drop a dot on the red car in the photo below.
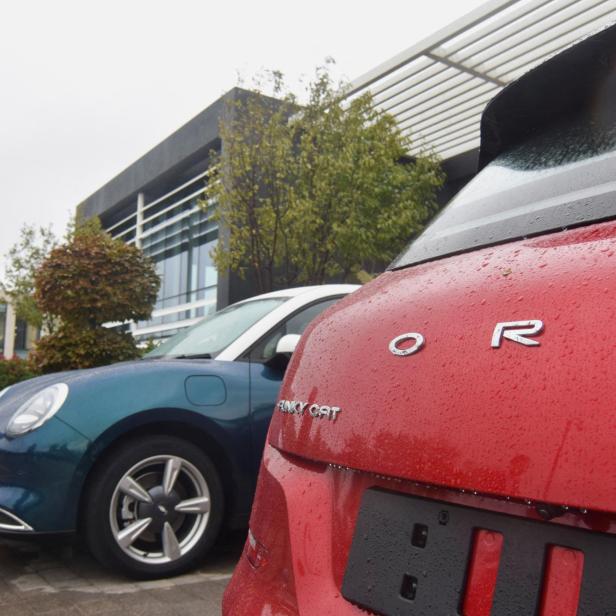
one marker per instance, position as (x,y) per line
(445,440)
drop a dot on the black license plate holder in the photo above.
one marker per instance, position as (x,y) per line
(410,556)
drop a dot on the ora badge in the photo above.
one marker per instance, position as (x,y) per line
(521,332)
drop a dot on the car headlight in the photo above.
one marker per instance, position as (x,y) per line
(37,410)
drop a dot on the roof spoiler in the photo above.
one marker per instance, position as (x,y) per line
(581,77)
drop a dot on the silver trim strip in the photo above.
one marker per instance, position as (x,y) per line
(20,524)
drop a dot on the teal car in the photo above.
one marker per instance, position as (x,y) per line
(149,460)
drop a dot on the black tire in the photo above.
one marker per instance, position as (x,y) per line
(108,508)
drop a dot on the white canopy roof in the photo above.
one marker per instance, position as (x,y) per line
(438,88)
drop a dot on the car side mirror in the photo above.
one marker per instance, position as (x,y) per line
(284,349)
(287,344)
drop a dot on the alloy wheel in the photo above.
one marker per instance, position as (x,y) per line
(160,509)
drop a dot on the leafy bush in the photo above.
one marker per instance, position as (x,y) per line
(70,347)
(94,279)
(91,280)
(15,370)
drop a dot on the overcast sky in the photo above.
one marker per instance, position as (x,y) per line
(88,86)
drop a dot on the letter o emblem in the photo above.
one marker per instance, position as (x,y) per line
(396,350)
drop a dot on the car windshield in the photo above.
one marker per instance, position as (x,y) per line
(214,333)
(558,179)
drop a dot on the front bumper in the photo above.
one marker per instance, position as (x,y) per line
(40,479)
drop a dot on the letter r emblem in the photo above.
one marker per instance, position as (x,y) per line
(516,331)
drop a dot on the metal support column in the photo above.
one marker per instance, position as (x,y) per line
(9,332)
(139,224)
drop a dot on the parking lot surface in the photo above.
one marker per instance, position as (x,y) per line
(54,580)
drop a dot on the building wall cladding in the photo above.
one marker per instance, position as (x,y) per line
(184,148)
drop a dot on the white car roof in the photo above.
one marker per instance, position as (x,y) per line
(326,289)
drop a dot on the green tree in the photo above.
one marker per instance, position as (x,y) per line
(315,192)
(22,262)
(88,281)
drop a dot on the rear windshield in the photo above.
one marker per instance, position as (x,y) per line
(561,178)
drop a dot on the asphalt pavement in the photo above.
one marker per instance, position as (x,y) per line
(64,580)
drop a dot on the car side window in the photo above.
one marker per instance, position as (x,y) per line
(265,349)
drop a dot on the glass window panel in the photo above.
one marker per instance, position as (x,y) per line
(21,332)
(179,241)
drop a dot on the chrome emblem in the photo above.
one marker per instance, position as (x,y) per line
(516,331)
(316,411)
(396,350)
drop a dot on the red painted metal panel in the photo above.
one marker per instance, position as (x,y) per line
(525,422)
(563,580)
(482,573)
